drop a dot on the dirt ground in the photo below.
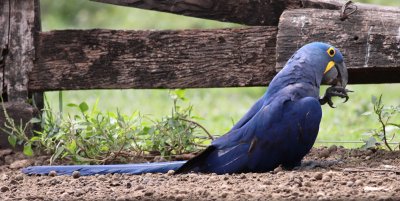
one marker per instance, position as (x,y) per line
(360,175)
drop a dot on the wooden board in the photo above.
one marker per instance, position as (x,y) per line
(108,59)
(240,11)
(369,40)
(4,23)
(21,48)
(248,12)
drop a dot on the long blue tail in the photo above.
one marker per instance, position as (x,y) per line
(86,170)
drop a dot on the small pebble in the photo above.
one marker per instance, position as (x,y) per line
(224,195)
(332,148)
(4,177)
(52,173)
(307,184)
(76,174)
(140,187)
(170,172)
(324,153)
(318,176)
(122,198)
(358,182)
(277,169)
(4,189)
(349,183)
(19,178)
(128,185)
(326,178)
(79,192)
(148,193)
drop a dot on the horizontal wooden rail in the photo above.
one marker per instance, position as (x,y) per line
(253,12)
(108,59)
(248,12)
(369,40)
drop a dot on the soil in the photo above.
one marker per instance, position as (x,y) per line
(343,174)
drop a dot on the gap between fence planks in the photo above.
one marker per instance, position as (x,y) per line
(110,59)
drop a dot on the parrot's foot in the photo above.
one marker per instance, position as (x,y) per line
(334,91)
(308,165)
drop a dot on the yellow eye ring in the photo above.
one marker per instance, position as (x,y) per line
(331,52)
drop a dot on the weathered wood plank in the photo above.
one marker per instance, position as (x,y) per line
(369,40)
(253,12)
(106,59)
(249,12)
(4,23)
(21,50)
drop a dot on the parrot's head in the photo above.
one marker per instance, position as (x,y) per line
(331,70)
(332,66)
(315,63)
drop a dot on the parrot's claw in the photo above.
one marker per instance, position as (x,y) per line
(334,91)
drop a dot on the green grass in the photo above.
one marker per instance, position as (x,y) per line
(219,107)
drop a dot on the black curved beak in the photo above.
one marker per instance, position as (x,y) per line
(343,76)
(338,78)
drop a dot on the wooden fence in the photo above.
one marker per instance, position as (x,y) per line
(32,61)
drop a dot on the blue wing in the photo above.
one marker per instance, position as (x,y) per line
(161,167)
(279,133)
(250,114)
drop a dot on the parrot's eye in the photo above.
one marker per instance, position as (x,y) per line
(331,52)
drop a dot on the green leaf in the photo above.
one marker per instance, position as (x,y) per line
(12,139)
(35,138)
(180,93)
(72,105)
(59,151)
(28,149)
(72,146)
(83,107)
(35,120)
(197,118)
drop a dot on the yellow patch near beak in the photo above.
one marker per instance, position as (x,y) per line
(329,66)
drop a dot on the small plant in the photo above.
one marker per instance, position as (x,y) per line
(177,133)
(387,129)
(91,136)
(17,132)
(95,137)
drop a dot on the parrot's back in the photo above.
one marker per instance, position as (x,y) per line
(281,132)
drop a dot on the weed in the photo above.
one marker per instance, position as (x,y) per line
(176,134)
(387,129)
(95,137)
(17,132)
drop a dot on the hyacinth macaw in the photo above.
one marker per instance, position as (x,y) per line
(279,129)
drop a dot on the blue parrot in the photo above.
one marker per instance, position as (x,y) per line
(279,129)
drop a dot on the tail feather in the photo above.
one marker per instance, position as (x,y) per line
(195,163)
(87,170)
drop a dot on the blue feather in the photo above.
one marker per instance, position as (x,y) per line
(85,170)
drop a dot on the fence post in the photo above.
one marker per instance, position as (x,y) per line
(20,22)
